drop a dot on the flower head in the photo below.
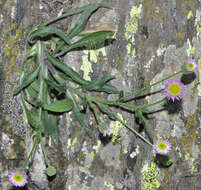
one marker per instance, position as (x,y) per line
(191,65)
(18,178)
(174,89)
(162,146)
(107,132)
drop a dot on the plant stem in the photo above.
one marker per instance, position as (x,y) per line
(149,86)
(44,151)
(32,150)
(149,105)
(111,102)
(133,130)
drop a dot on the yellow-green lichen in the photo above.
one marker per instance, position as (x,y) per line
(74,141)
(88,57)
(10,46)
(190,15)
(149,175)
(92,154)
(109,185)
(96,147)
(116,126)
(191,49)
(132,27)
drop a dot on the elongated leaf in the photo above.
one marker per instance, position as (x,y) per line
(59,106)
(73,12)
(54,85)
(92,40)
(32,117)
(50,125)
(110,89)
(98,84)
(77,78)
(66,69)
(79,116)
(102,27)
(81,23)
(27,80)
(43,32)
(105,109)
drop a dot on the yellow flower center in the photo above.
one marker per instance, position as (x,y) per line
(162,145)
(174,89)
(18,177)
(190,66)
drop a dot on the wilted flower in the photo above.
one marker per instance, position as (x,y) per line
(191,65)
(162,146)
(107,132)
(174,89)
(18,178)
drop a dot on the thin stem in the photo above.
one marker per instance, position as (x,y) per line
(133,130)
(111,102)
(149,105)
(32,150)
(44,151)
(149,86)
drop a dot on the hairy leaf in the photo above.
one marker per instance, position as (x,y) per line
(59,106)
(91,41)
(97,84)
(27,80)
(79,116)
(43,32)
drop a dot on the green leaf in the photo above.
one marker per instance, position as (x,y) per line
(97,84)
(43,32)
(31,117)
(27,80)
(91,41)
(110,89)
(103,127)
(49,122)
(73,12)
(106,110)
(51,171)
(59,106)
(66,69)
(54,85)
(82,21)
(79,116)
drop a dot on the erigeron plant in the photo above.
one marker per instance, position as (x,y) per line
(45,78)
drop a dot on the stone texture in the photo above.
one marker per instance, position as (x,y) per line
(153,40)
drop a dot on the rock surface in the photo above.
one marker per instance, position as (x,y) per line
(153,40)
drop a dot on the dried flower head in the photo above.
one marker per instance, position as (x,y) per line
(174,89)
(18,178)
(107,132)
(191,65)
(162,146)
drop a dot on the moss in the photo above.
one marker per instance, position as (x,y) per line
(149,175)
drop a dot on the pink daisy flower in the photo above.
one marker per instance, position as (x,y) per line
(174,89)
(18,178)
(191,65)
(162,146)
